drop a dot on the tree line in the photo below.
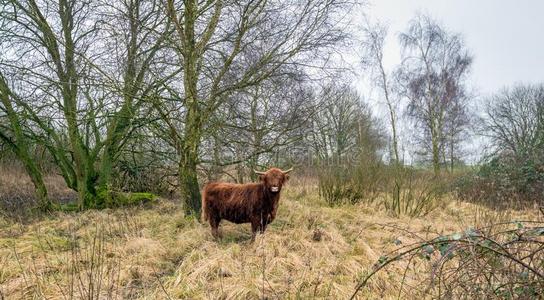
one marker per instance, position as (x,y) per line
(100,90)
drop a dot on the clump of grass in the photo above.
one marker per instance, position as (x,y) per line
(56,264)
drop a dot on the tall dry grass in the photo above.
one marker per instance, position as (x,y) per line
(399,190)
(310,251)
(17,194)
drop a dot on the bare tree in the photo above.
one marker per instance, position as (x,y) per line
(435,65)
(255,123)
(343,128)
(373,47)
(30,26)
(229,46)
(13,135)
(514,120)
(136,32)
(82,88)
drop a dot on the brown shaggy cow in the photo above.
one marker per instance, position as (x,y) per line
(255,203)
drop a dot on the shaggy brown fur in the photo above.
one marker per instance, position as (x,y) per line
(255,203)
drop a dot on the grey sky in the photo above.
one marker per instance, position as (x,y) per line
(505,37)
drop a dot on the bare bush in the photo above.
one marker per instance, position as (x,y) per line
(503,260)
(342,185)
(504,182)
(414,194)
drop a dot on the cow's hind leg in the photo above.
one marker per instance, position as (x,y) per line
(214,223)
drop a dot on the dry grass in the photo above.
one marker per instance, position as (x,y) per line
(17,191)
(310,251)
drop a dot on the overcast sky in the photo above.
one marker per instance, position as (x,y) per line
(505,37)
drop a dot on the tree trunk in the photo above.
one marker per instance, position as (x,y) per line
(116,131)
(39,186)
(436,158)
(33,172)
(452,157)
(391,113)
(435,149)
(69,89)
(394,131)
(188,150)
(188,180)
(20,148)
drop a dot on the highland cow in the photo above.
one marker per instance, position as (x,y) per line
(255,203)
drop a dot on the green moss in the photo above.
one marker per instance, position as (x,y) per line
(68,207)
(136,198)
(130,199)
(111,199)
(104,197)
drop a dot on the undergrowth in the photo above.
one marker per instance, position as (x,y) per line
(153,252)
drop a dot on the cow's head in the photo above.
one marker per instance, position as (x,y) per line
(274,178)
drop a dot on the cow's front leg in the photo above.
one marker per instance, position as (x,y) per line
(264,223)
(255,224)
(272,214)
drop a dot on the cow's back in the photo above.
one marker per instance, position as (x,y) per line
(232,202)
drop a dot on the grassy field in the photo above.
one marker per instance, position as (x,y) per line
(154,252)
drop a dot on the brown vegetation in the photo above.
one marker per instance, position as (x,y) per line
(310,251)
(17,192)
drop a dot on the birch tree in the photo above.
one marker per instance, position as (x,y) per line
(373,47)
(432,75)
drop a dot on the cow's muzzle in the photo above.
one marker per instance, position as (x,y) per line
(275,189)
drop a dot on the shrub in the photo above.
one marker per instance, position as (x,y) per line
(504,181)
(404,190)
(132,177)
(344,184)
(414,193)
(337,187)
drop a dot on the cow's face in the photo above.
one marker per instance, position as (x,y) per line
(274,179)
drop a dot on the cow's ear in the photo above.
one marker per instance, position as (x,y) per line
(262,177)
(286,177)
